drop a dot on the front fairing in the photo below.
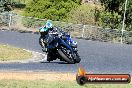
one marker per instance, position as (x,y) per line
(67,43)
(71,42)
(62,42)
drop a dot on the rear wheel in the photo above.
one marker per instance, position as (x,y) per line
(51,55)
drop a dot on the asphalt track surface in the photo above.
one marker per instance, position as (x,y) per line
(97,57)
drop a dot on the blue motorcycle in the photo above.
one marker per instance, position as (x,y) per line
(61,46)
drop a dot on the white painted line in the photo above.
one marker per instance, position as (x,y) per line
(44,55)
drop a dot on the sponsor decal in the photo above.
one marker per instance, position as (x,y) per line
(82,77)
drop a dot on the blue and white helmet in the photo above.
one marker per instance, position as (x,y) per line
(48,24)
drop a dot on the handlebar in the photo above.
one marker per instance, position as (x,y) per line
(57,33)
(53,33)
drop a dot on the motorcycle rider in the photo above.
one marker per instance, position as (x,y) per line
(44,30)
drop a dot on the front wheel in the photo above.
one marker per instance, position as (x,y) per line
(77,58)
(65,56)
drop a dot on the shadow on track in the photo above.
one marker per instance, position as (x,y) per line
(56,62)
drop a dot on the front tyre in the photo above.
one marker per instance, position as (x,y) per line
(77,58)
(65,56)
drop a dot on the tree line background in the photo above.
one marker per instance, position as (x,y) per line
(106,13)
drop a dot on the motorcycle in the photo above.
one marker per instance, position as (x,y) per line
(61,46)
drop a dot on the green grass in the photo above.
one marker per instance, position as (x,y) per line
(55,84)
(18,11)
(8,53)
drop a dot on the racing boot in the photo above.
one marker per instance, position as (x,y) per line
(44,49)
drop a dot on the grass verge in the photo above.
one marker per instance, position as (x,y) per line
(47,80)
(8,53)
(55,84)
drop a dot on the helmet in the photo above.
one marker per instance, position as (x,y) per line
(48,24)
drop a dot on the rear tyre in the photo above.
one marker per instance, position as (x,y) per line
(48,57)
